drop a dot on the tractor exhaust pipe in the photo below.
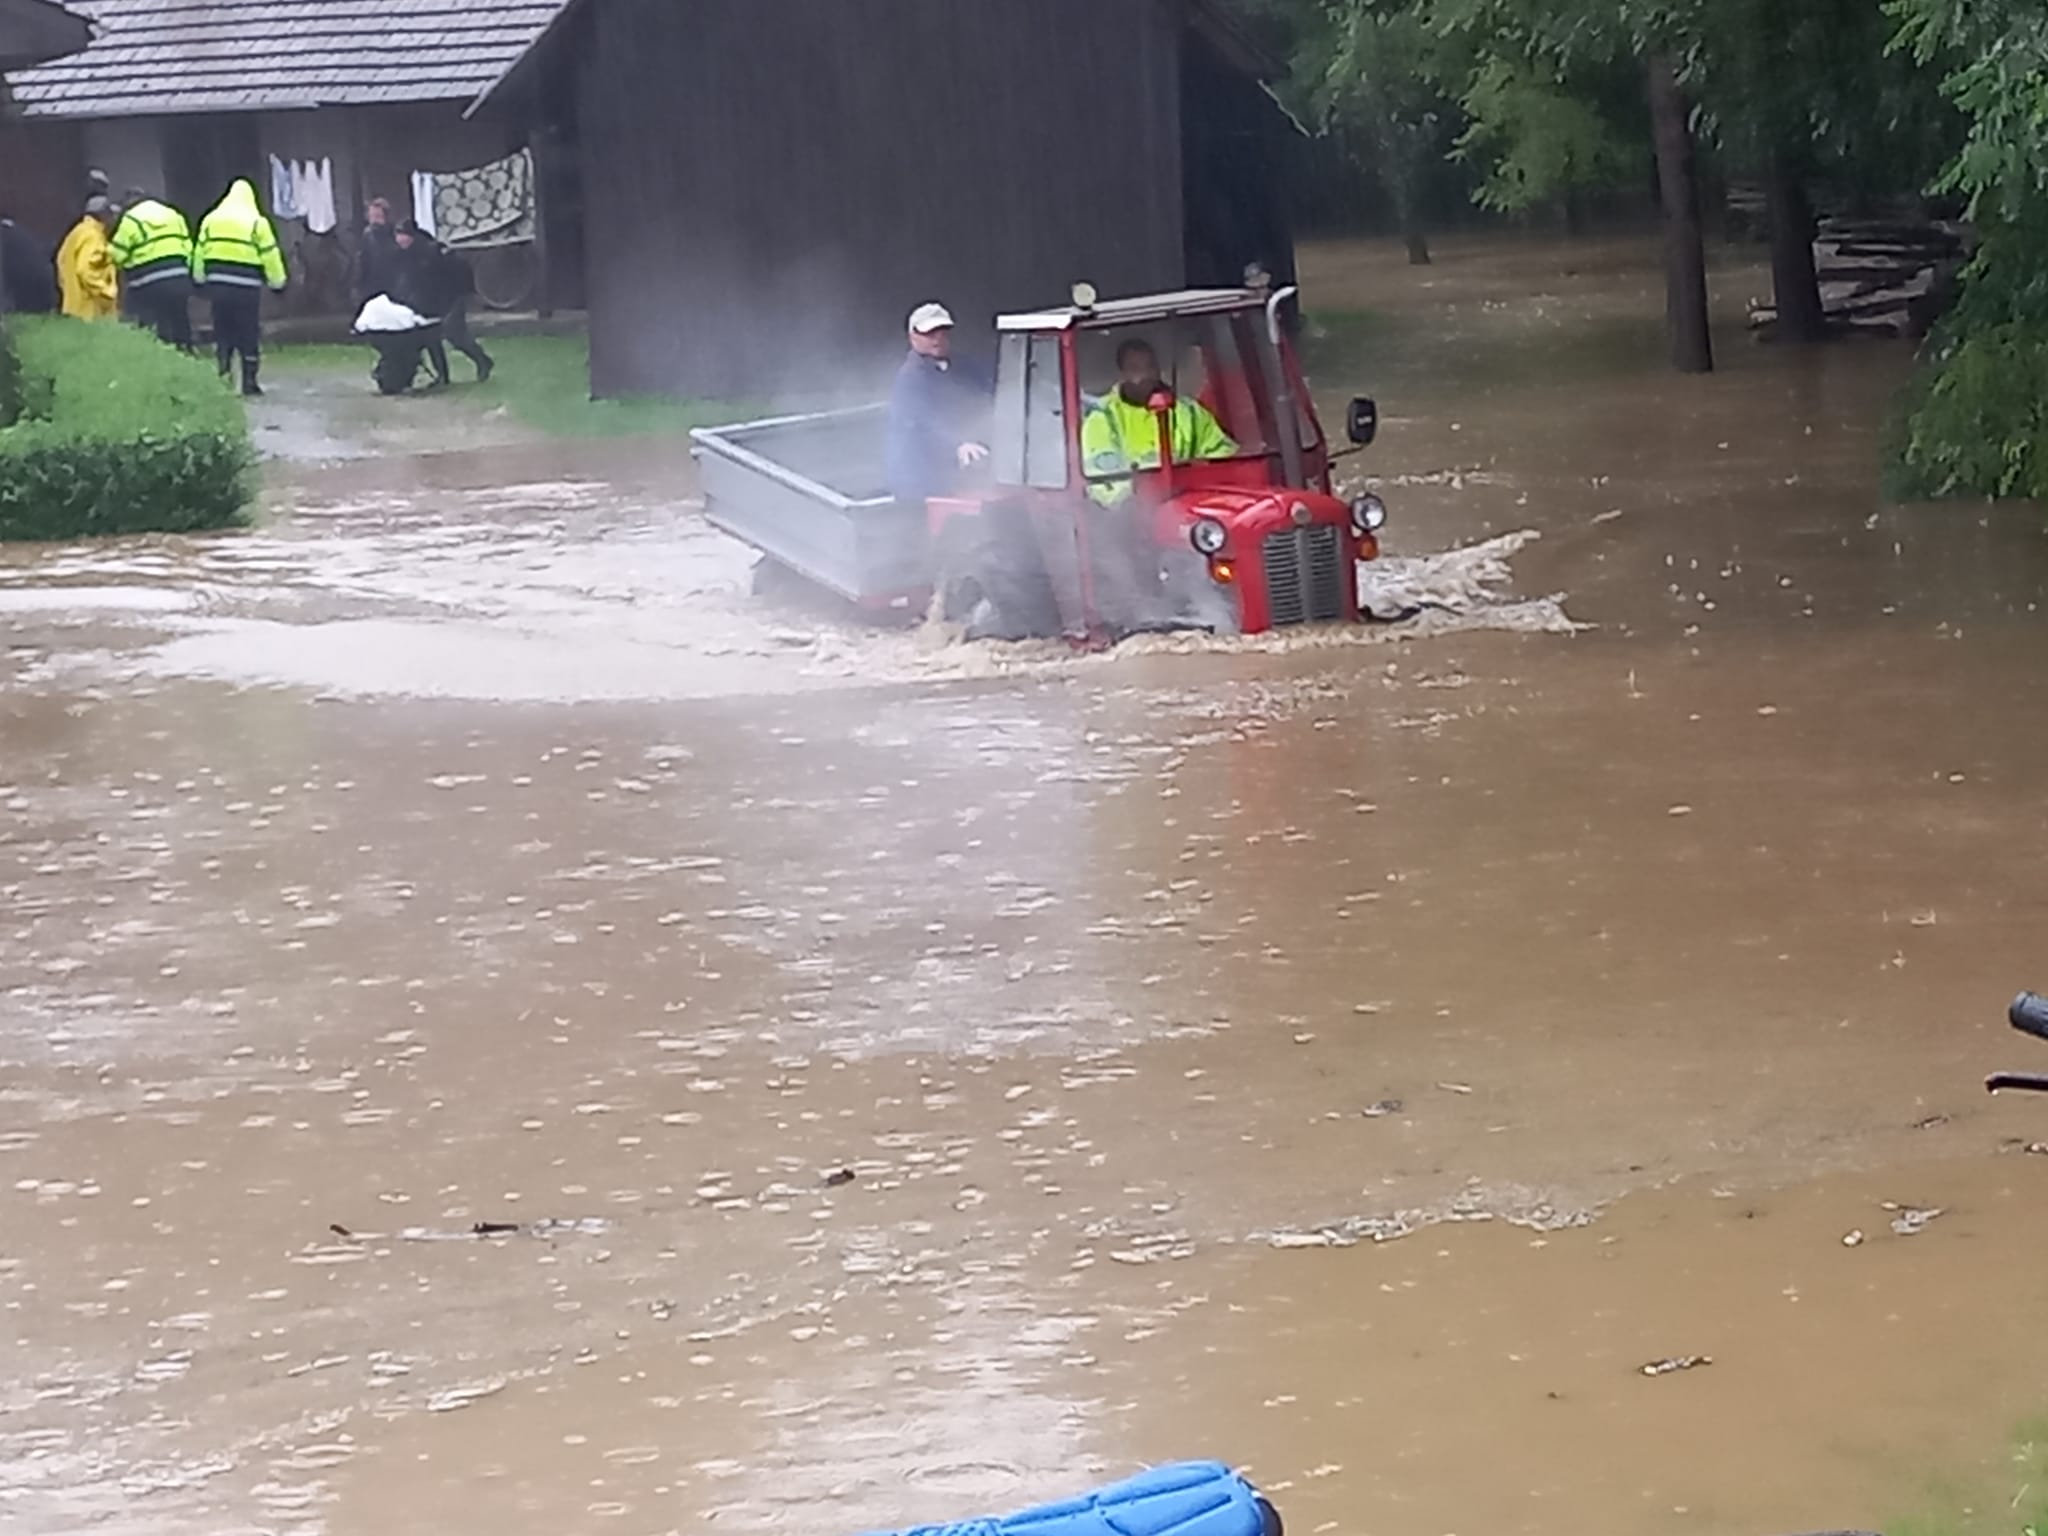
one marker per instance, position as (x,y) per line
(1285,409)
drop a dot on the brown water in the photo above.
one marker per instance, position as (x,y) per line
(468,845)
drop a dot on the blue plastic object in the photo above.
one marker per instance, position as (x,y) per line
(1190,1498)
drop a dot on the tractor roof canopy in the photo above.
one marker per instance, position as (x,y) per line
(1144,310)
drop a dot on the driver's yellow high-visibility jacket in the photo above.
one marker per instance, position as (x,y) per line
(1118,438)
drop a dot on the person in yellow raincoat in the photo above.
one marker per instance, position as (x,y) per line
(88,286)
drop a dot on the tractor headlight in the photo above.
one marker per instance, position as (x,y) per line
(1368,513)
(1208,537)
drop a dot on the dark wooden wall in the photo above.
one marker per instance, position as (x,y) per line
(772,185)
(42,176)
(1237,146)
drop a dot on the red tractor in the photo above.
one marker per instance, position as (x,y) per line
(1247,538)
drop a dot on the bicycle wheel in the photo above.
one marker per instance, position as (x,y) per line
(507,276)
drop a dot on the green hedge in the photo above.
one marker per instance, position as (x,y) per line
(118,434)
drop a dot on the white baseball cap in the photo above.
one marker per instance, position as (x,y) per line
(927,318)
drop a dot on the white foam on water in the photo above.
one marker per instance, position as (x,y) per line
(592,623)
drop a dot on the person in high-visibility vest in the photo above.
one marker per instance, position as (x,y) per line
(234,259)
(88,287)
(1120,434)
(152,246)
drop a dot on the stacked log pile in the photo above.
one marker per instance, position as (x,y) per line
(1882,276)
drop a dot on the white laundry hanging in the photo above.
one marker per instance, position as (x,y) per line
(423,202)
(315,186)
(284,190)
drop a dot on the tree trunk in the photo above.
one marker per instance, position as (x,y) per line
(1573,206)
(1398,160)
(1685,245)
(1801,317)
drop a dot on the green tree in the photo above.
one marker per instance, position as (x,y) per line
(1563,40)
(1364,74)
(1370,78)
(1794,94)
(1541,138)
(1977,416)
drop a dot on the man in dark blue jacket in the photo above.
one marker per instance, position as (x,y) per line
(937,413)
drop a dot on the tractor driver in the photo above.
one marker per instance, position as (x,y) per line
(1121,434)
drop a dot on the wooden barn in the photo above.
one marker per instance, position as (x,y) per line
(33,31)
(181,96)
(771,185)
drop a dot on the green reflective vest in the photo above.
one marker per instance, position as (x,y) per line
(152,242)
(1118,438)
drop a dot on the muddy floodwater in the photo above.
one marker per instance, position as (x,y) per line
(901,1080)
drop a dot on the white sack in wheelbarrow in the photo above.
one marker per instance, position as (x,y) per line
(385,316)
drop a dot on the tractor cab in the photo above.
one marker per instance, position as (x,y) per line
(1234,525)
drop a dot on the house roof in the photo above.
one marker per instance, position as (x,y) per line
(151,57)
(32,31)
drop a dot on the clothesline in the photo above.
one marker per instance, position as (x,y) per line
(489,206)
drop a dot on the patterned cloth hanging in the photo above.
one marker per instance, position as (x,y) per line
(492,205)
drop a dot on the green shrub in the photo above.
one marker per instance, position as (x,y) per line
(118,434)
(1975,419)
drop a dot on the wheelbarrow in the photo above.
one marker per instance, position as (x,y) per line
(401,337)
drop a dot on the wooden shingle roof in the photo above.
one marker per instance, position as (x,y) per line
(151,57)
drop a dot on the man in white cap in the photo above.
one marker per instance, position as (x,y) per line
(936,413)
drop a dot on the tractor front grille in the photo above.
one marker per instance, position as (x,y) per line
(1305,574)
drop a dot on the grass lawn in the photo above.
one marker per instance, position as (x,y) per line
(2015,1505)
(543,382)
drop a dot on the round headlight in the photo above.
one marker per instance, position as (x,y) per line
(1209,537)
(1369,513)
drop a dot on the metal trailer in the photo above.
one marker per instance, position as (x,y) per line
(807,491)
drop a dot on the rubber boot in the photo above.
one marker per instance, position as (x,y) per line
(250,388)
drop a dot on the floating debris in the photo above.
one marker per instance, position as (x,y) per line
(450,1400)
(1912,1220)
(1853,1239)
(550,1227)
(839,1178)
(1675,1364)
(1524,1208)
(324,1363)
(1381,1110)
(570,1226)
(1929,1122)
